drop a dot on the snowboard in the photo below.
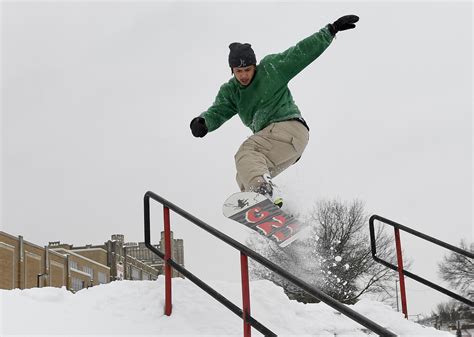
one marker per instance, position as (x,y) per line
(261,215)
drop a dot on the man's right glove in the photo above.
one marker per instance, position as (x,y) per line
(198,127)
(343,23)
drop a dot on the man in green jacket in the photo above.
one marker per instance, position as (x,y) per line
(259,94)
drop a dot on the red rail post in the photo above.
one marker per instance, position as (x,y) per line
(168,305)
(401,276)
(245,293)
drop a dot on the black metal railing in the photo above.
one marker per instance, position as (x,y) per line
(402,272)
(245,252)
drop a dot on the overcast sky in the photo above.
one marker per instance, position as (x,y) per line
(97,100)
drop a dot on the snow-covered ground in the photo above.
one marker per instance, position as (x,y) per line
(135,308)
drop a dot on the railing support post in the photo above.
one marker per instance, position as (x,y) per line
(168,271)
(245,293)
(400,272)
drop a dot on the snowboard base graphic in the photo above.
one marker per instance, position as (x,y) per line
(263,216)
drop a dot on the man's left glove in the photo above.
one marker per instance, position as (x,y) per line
(343,23)
(198,127)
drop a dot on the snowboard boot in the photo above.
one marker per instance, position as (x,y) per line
(266,188)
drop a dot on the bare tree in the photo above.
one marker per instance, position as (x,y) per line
(458,270)
(447,313)
(335,256)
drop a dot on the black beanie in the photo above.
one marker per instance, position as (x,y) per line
(241,55)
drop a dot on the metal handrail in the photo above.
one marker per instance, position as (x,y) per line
(245,252)
(402,272)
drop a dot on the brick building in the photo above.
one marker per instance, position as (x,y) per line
(26,265)
(142,253)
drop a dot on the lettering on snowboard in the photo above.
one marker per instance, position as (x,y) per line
(268,221)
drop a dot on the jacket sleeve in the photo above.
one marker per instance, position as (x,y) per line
(293,60)
(221,110)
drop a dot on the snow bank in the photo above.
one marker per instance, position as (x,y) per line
(135,308)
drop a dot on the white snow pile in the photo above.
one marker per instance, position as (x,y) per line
(135,308)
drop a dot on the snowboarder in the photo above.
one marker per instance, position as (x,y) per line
(260,95)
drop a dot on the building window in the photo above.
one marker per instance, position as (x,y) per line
(73,265)
(89,271)
(135,274)
(146,276)
(77,284)
(102,277)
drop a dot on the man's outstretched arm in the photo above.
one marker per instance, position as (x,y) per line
(293,60)
(221,111)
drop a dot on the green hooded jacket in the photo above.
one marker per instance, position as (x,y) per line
(267,98)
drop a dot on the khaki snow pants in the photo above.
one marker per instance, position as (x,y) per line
(271,150)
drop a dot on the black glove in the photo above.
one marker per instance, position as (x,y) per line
(343,23)
(198,127)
